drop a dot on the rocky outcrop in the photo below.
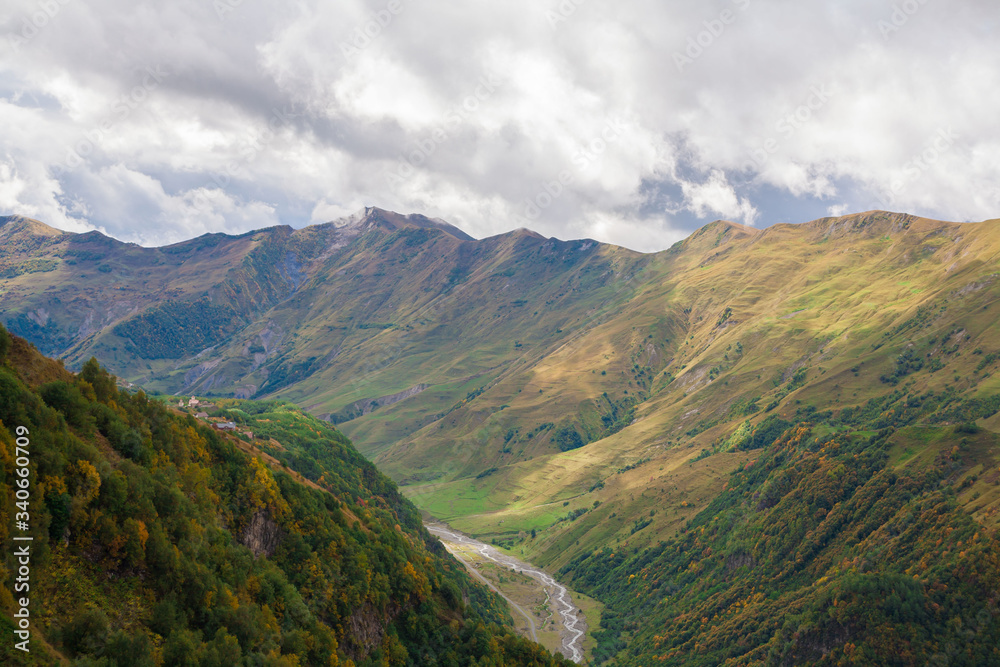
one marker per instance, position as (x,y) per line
(262,535)
(366,627)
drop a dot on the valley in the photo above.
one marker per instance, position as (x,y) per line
(556,614)
(159,538)
(801,418)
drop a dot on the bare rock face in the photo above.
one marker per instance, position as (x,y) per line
(262,535)
(366,630)
(739,559)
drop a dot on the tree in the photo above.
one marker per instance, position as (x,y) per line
(86,633)
(99,378)
(68,400)
(129,649)
(567,439)
(5,342)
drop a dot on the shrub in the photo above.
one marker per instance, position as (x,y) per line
(568,439)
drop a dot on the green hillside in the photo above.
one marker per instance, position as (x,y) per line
(157,540)
(569,400)
(847,540)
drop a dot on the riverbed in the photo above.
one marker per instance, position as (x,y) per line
(573,623)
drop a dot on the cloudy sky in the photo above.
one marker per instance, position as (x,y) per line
(628,121)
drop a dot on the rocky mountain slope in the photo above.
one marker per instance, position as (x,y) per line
(561,398)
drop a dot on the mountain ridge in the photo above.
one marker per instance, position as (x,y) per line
(563,397)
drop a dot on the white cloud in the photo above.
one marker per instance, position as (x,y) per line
(805,103)
(716,196)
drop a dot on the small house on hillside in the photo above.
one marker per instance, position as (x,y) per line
(226,426)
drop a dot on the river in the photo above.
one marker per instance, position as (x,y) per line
(574,625)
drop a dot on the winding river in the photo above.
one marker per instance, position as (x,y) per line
(574,626)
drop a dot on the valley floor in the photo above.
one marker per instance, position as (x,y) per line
(544,610)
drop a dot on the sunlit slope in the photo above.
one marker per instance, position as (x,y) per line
(737,325)
(513,374)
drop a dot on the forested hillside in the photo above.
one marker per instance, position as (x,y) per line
(848,540)
(158,541)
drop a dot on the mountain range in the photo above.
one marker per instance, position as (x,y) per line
(607,412)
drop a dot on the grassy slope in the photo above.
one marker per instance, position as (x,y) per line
(795,307)
(650,358)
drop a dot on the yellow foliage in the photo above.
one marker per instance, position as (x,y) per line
(227,599)
(142,533)
(264,490)
(115,546)
(87,481)
(421,586)
(50,483)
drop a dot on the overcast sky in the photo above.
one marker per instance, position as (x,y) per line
(628,121)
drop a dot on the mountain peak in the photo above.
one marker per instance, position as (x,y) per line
(12,224)
(391,220)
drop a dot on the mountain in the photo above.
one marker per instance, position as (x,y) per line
(590,407)
(159,540)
